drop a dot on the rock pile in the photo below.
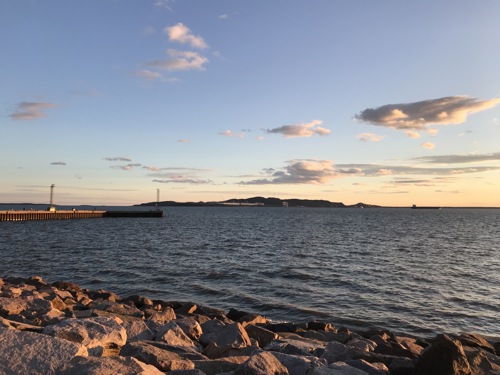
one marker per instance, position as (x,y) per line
(60,328)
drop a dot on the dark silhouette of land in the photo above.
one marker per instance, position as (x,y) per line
(264,202)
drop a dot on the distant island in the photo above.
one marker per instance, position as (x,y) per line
(264,202)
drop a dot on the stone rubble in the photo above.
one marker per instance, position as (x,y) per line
(62,329)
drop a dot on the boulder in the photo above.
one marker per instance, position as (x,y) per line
(369,368)
(30,353)
(172,334)
(299,364)
(190,326)
(152,355)
(101,336)
(224,335)
(108,366)
(221,365)
(262,363)
(320,326)
(263,336)
(116,308)
(345,369)
(163,316)
(137,330)
(444,357)
(12,306)
(475,341)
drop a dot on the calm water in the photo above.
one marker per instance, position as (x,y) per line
(414,271)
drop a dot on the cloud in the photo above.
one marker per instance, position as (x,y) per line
(459,159)
(180,60)
(412,134)
(118,158)
(433,132)
(230,134)
(184,180)
(184,140)
(26,111)
(182,34)
(163,4)
(127,167)
(428,145)
(58,163)
(418,115)
(370,137)
(373,170)
(151,168)
(223,16)
(148,74)
(298,172)
(300,130)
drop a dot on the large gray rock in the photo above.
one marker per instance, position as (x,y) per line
(336,351)
(190,326)
(263,363)
(225,335)
(444,357)
(172,334)
(101,336)
(297,364)
(108,366)
(152,355)
(263,336)
(137,330)
(30,353)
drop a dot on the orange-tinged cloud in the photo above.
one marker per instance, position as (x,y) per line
(418,115)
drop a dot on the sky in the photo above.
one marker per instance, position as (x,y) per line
(384,102)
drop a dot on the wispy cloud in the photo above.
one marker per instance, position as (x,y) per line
(370,137)
(118,158)
(183,180)
(126,167)
(148,74)
(459,159)
(180,60)
(374,170)
(58,163)
(26,111)
(230,134)
(180,33)
(183,140)
(300,130)
(417,115)
(165,4)
(297,172)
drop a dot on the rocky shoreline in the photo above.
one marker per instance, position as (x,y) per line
(60,328)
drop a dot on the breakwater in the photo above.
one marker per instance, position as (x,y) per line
(60,328)
(25,215)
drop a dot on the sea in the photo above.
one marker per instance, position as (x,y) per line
(418,272)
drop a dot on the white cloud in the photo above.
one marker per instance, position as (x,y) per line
(184,140)
(300,130)
(180,60)
(182,34)
(428,145)
(412,134)
(418,115)
(433,132)
(26,111)
(298,172)
(370,137)
(230,134)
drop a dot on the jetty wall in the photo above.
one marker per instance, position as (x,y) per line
(14,215)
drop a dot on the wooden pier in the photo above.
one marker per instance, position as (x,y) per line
(16,215)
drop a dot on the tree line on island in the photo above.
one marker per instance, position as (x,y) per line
(265,202)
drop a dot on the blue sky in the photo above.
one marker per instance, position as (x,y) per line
(382,102)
